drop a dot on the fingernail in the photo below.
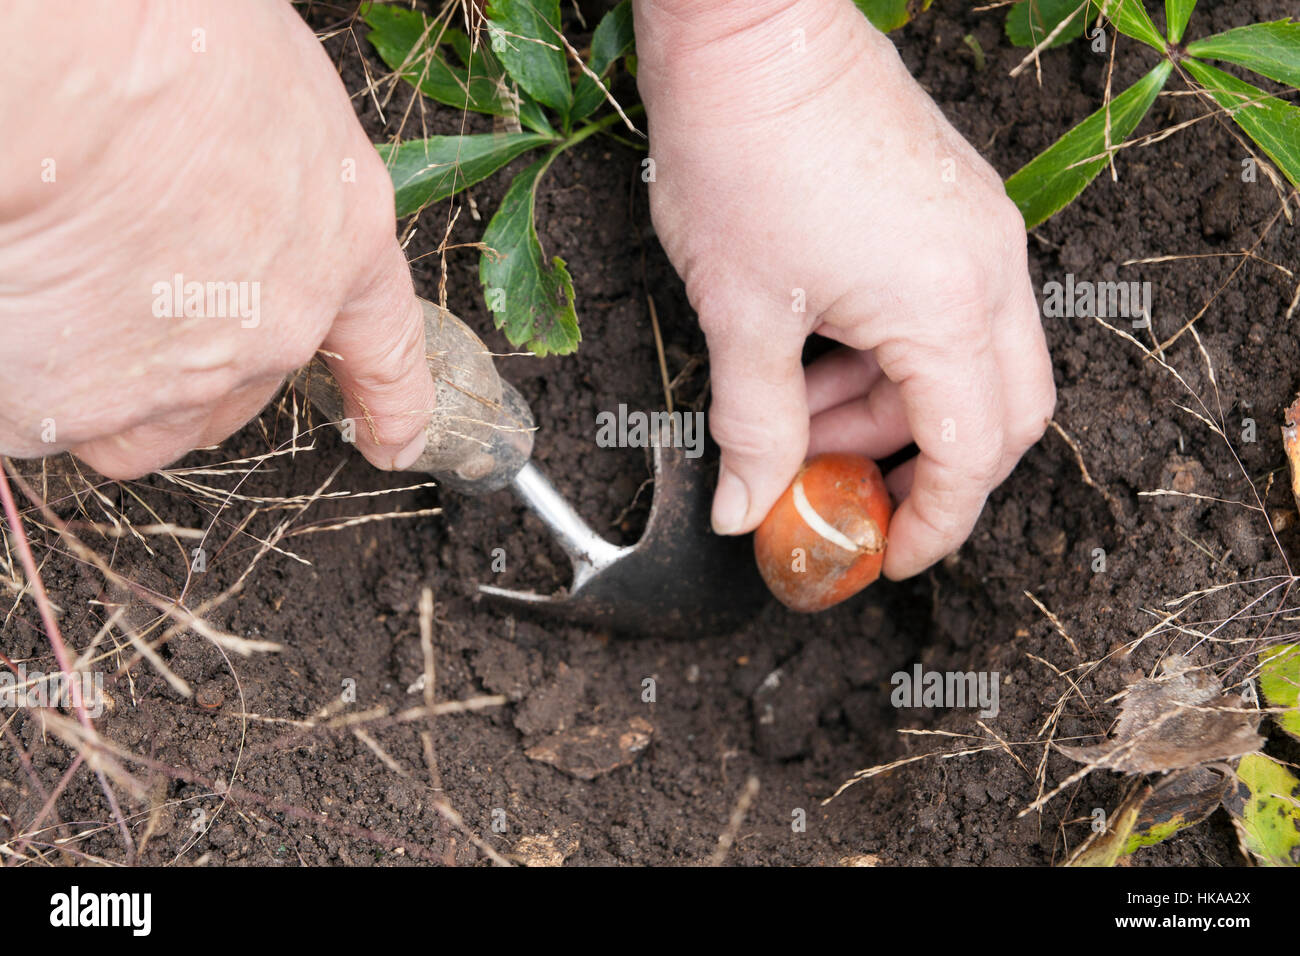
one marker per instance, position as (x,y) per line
(405,458)
(730,503)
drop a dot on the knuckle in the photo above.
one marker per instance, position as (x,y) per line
(871,414)
(970,327)
(396,431)
(956,292)
(948,525)
(1042,413)
(371,215)
(377,183)
(983,467)
(749,438)
(112,461)
(976,464)
(1030,421)
(715,322)
(1047,405)
(387,430)
(1008,222)
(392,364)
(1028,432)
(957,333)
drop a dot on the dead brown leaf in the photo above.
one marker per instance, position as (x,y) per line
(1181,800)
(1180,719)
(589,752)
(546,849)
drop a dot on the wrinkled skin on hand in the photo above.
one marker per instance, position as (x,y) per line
(213,140)
(805,183)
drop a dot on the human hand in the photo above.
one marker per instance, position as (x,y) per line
(819,189)
(207,140)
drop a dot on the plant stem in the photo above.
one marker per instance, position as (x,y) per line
(591,129)
(624,141)
(603,123)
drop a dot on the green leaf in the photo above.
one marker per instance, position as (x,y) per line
(1030,21)
(1183,800)
(1265,810)
(1106,848)
(481,62)
(1131,19)
(612,39)
(1270,49)
(531,302)
(526,37)
(427,170)
(1272,123)
(408,43)
(1050,181)
(1279,679)
(1177,13)
(889,15)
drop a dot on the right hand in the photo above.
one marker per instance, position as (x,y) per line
(826,177)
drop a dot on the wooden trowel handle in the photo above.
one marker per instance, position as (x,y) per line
(481,431)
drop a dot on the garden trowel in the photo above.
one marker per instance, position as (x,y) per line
(678,580)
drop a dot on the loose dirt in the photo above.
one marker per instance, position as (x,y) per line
(262,789)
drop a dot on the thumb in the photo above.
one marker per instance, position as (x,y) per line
(758,417)
(379,360)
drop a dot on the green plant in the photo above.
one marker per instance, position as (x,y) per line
(1052,180)
(1030,22)
(520,73)
(891,14)
(1258,791)
(1262,801)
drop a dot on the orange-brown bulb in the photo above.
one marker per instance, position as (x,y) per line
(824,539)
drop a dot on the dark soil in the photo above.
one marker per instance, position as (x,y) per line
(323,796)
